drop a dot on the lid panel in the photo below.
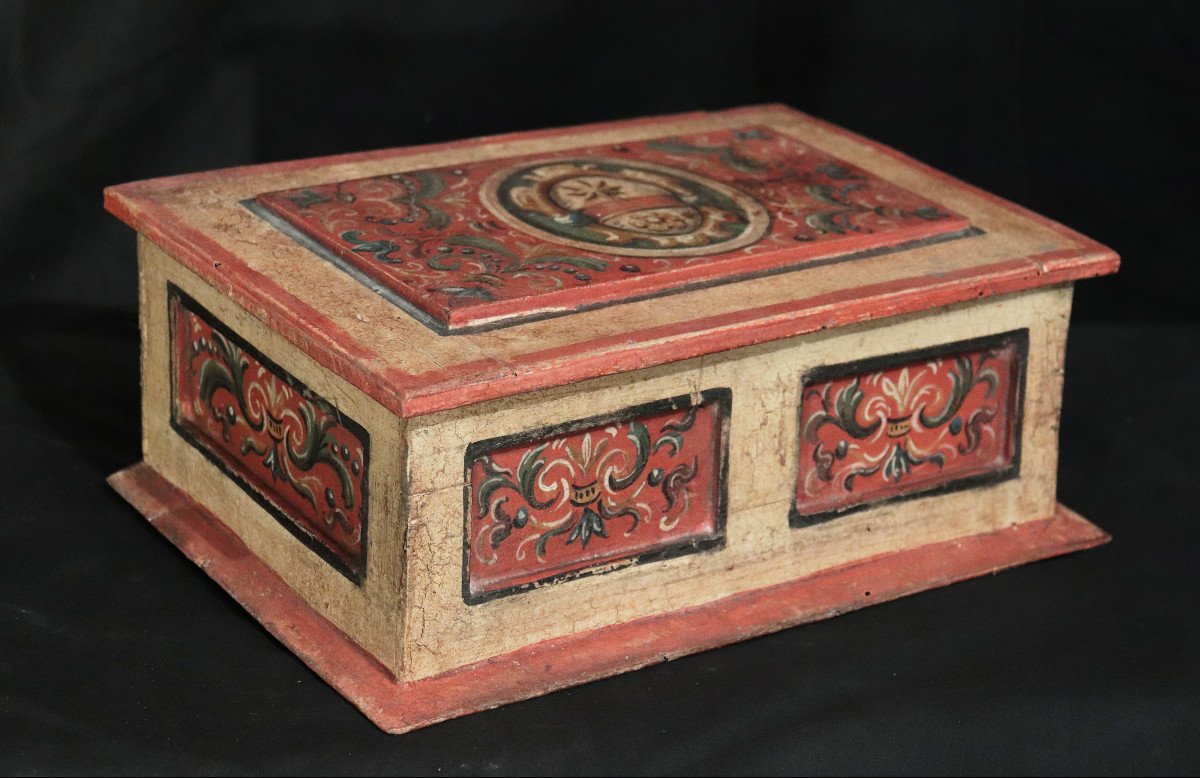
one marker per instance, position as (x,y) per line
(869,263)
(479,245)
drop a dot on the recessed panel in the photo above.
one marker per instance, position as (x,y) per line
(909,424)
(294,452)
(595,494)
(480,244)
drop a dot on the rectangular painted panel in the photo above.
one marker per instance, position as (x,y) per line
(595,494)
(909,424)
(291,450)
(470,245)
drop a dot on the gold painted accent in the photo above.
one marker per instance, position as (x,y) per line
(582,495)
(898,428)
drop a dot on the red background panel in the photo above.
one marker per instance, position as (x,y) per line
(469,244)
(907,424)
(649,481)
(293,452)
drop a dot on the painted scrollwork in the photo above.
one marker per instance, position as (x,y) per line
(497,230)
(608,491)
(295,451)
(874,433)
(577,492)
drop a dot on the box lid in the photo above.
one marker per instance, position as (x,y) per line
(436,276)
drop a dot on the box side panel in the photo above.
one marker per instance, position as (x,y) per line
(761,547)
(303,459)
(295,461)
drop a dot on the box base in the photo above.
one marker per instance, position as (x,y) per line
(399,706)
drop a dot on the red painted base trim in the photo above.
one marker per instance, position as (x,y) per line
(399,706)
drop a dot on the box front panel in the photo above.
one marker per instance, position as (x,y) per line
(298,456)
(761,544)
(907,424)
(595,494)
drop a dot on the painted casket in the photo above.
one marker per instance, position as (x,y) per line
(465,423)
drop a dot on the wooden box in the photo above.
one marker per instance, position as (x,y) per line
(465,423)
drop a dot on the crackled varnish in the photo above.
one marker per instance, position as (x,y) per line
(464,423)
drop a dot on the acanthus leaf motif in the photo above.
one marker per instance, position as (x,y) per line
(277,437)
(907,425)
(590,494)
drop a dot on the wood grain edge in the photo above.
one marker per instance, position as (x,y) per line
(400,706)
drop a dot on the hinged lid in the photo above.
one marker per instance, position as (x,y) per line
(440,275)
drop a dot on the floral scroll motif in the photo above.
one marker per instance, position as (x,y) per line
(555,504)
(293,452)
(504,237)
(908,424)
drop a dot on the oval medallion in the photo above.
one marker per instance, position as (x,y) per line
(619,207)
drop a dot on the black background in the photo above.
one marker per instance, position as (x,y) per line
(116,655)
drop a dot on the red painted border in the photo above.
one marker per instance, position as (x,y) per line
(400,706)
(487,379)
(408,394)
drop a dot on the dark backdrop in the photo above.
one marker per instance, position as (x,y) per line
(117,656)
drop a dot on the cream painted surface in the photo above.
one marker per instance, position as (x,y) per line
(371,615)
(761,549)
